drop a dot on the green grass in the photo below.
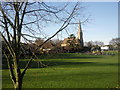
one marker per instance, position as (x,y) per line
(70,71)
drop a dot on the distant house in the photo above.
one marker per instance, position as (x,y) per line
(105,48)
(64,43)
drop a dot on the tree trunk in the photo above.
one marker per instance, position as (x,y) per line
(18,84)
(18,75)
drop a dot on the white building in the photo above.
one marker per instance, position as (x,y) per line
(103,48)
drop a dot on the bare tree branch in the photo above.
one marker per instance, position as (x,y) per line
(21,6)
(10,67)
(10,22)
(20,18)
(65,24)
(8,45)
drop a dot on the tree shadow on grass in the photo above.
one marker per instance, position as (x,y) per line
(67,56)
(48,63)
(36,64)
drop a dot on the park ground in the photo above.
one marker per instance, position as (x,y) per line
(69,70)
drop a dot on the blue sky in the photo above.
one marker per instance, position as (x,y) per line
(103,25)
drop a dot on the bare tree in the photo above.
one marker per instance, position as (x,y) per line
(90,44)
(94,43)
(98,43)
(23,21)
(115,42)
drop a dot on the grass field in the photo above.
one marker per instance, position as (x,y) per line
(70,71)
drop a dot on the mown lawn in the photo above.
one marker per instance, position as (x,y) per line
(70,71)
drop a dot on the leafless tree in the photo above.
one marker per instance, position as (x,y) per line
(94,43)
(115,42)
(89,43)
(23,21)
(98,43)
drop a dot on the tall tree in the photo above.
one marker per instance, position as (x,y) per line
(115,42)
(94,43)
(23,20)
(90,44)
(98,43)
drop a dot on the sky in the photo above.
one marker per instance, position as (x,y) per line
(103,24)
